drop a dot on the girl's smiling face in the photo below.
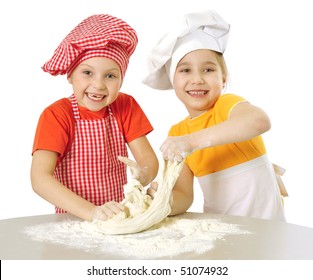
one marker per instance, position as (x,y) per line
(96,82)
(199,81)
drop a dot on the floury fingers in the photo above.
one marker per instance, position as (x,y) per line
(159,209)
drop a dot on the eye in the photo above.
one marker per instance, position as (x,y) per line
(110,76)
(184,70)
(87,72)
(208,70)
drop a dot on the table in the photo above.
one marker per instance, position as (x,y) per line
(269,240)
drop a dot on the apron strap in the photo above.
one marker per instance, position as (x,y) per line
(75,107)
(279,171)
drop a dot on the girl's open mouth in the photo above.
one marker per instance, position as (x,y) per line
(95,97)
(197,93)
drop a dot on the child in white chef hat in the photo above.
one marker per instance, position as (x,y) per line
(220,139)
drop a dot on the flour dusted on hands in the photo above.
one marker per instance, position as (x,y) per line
(136,201)
(143,212)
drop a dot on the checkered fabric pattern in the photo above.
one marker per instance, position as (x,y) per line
(98,35)
(91,168)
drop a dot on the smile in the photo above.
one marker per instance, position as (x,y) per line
(95,97)
(197,93)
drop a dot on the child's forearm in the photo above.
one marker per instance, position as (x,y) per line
(57,194)
(150,172)
(246,122)
(144,174)
(237,129)
(180,203)
(182,193)
(146,164)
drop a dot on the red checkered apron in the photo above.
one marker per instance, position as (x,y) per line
(91,168)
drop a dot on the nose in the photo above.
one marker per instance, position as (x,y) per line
(98,82)
(197,78)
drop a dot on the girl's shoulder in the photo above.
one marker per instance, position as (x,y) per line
(59,111)
(225,104)
(229,97)
(61,105)
(125,104)
(123,100)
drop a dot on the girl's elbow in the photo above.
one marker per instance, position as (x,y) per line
(34,183)
(37,180)
(263,124)
(155,168)
(266,124)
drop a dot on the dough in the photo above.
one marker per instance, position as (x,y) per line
(143,211)
(136,201)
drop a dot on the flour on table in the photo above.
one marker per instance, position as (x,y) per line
(172,237)
(143,212)
(144,231)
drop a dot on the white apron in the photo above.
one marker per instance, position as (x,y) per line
(248,189)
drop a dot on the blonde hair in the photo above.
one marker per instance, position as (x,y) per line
(222,63)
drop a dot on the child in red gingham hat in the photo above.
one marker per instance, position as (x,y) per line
(80,147)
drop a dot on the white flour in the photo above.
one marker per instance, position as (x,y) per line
(172,237)
(144,212)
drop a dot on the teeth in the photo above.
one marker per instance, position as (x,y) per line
(197,92)
(94,96)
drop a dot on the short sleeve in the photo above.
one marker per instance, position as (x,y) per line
(55,128)
(219,113)
(225,104)
(131,117)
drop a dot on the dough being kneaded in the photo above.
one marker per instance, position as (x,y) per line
(136,201)
(142,211)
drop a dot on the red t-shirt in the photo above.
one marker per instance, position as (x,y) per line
(55,129)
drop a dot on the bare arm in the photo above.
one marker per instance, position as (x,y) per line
(245,122)
(182,192)
(46,186)
(146,159)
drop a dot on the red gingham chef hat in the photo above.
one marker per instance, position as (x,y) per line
(98,35)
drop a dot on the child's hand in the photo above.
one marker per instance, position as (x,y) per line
(137,172)
(152,189)
(177,148)
(107,210)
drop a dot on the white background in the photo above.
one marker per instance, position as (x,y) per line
(269,57)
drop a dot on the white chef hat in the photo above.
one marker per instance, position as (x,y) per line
(201,30)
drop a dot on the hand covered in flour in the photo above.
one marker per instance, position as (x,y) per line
(138,173)
(152,189)
(107,210)
(176,148)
